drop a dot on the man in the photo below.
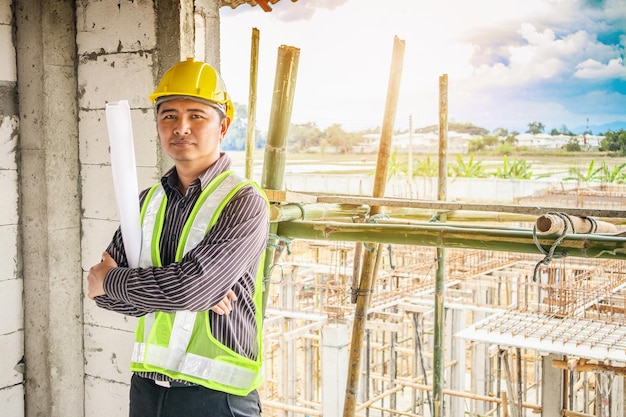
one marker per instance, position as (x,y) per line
(197,289)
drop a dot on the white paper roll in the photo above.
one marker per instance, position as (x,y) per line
(125,177)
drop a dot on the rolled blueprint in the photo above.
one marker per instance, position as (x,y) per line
(125,177)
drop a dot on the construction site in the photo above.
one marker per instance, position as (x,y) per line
(375,304)
(523,335)
(392,306)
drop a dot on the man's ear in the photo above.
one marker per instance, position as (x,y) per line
(224,126)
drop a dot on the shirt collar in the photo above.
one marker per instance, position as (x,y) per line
(222,164)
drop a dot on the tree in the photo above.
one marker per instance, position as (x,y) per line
(235,139)
(573,145)
(512,137)
(501,132)
(566,131)
(340,139)
(518,169)
(535,128)
(584,176)
(614,142)
(469,169)
(612,174)
(304,136)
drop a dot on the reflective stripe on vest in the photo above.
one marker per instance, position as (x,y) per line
(203,216)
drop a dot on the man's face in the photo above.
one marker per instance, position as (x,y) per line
(191,132)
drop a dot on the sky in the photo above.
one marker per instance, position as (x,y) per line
(509,63)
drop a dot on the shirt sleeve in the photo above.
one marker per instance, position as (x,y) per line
(227,258)
(116,250)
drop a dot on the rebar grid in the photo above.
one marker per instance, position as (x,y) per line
(313,283)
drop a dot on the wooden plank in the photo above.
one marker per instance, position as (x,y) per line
(383,325)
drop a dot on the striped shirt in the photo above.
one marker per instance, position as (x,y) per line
(227,258)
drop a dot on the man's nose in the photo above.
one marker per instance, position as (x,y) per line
(183,126)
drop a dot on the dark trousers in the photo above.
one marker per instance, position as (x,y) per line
(147,399)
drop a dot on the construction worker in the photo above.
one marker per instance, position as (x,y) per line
(197,290)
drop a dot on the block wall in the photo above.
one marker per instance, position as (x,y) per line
(115,44)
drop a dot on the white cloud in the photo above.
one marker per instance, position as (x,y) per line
(490,49)
(592,69)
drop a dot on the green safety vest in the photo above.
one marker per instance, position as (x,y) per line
(181,345)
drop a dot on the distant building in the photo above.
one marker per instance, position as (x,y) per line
(458,142)
(546,141)
(419,142)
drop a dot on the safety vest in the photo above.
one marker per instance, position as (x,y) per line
(181,345)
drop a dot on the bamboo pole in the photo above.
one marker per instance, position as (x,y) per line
(558,223)
(371,260)
(280,118)
(252,96)
(616,215)
(274,161)
(442,183)
(440,326)
(460,237)
(316,211)
(332,209)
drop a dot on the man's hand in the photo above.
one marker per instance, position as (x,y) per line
(224,307)
(97,273)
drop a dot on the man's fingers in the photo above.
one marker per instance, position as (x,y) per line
(217,310)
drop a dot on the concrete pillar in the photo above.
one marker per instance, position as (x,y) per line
(50,207)
(288,391)
(551,386)
(208,42)
(175,41)
(457,353)
(335,341)
(617,396)
(11,284)
(480,380)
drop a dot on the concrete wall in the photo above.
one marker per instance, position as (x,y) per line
(123,48)
(425,188)
(11,306)
(49,211)
(116,62)
(62,356)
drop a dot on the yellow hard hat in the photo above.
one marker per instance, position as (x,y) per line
(195,79)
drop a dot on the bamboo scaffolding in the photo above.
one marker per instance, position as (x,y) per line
(274,160)
(252,97)
(608,215)
(456,236)
(370,259)
(329,209)
(442,187)
(558,223)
